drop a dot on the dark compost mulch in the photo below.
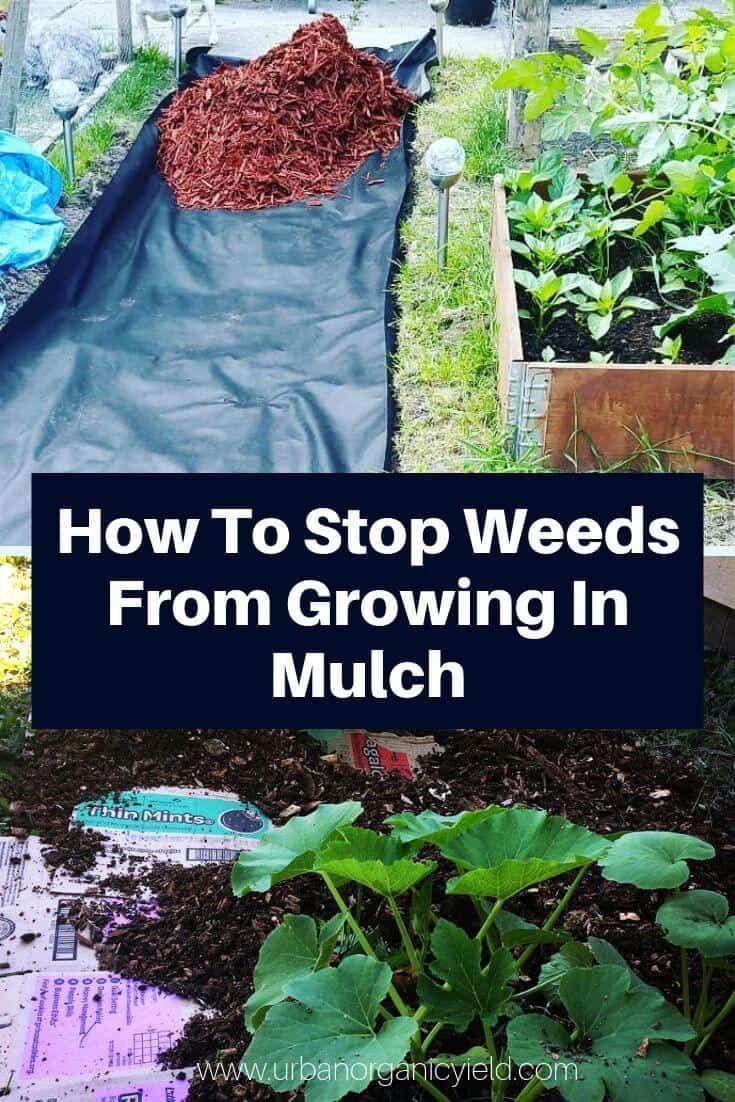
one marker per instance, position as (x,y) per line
(205,942)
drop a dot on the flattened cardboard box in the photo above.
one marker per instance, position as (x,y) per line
(380,753)
(156,1087)
(85,1027)
(36,933)
(174,825)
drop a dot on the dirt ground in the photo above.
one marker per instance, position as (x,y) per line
(204,942)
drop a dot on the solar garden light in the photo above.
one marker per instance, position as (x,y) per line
(439,7)
(444,162)
(178,10)
(65,97)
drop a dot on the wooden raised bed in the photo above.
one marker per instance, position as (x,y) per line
(688,409)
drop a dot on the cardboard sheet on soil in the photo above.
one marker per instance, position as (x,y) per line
(85,1027)
(174,825)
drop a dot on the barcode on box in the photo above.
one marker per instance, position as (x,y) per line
(218,855)
(65,935)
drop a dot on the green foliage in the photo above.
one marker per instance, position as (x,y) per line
(15,652)
(330,1021)
(295,948)
(603,303)
(334,1001)
(719,1085)
(653,858)
(290,850)
(466,990)
(667,93)
(373,860)
(131,97)
(446,363)
(618,1041)
(518,848)
(699,920)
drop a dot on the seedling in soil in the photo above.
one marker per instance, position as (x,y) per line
(549,293)
(401,981)
(603,303)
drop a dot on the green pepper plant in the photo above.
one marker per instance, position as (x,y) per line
(392,985)
(666,95)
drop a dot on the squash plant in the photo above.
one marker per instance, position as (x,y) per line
(666,94)
(380,992)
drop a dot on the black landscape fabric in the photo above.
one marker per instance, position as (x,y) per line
(173,340)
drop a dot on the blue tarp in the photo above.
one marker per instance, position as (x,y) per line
(30,188)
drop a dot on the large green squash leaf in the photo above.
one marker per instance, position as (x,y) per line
(293,949)
(699,920)
(517,848)
(326,1038)
(653,858)
(719,1084)
(620,1051)
(377,861)
(471,993)
(429,827)
(288,851)
(575,954)
(509,878)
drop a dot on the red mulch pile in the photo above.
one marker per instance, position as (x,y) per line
(292,124)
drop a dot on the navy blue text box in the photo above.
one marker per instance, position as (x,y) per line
(88,674)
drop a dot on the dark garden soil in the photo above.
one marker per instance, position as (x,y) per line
(632,340)
(204,943)
(15,286)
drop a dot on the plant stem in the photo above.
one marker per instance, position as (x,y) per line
(685,997)
(556,913)
(362,940)
(494,912)
(430,1036)
(701,1008)
(490,1045)
(405,935)
(715,1024)
(533,1088)
(430,1089)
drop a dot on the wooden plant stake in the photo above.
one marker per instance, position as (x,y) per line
(529,35)
(124,30)
(15,45)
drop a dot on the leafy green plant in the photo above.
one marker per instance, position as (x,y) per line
(603,303)
(391,985)
(549,293)
(667,93)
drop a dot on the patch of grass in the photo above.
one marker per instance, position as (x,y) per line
(445,373)
(15,661)
(121,111)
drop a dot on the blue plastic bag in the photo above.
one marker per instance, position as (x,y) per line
(30,188)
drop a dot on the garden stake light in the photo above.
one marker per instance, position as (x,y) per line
(439,7)
(178,11)
(65,97)
(444,162)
